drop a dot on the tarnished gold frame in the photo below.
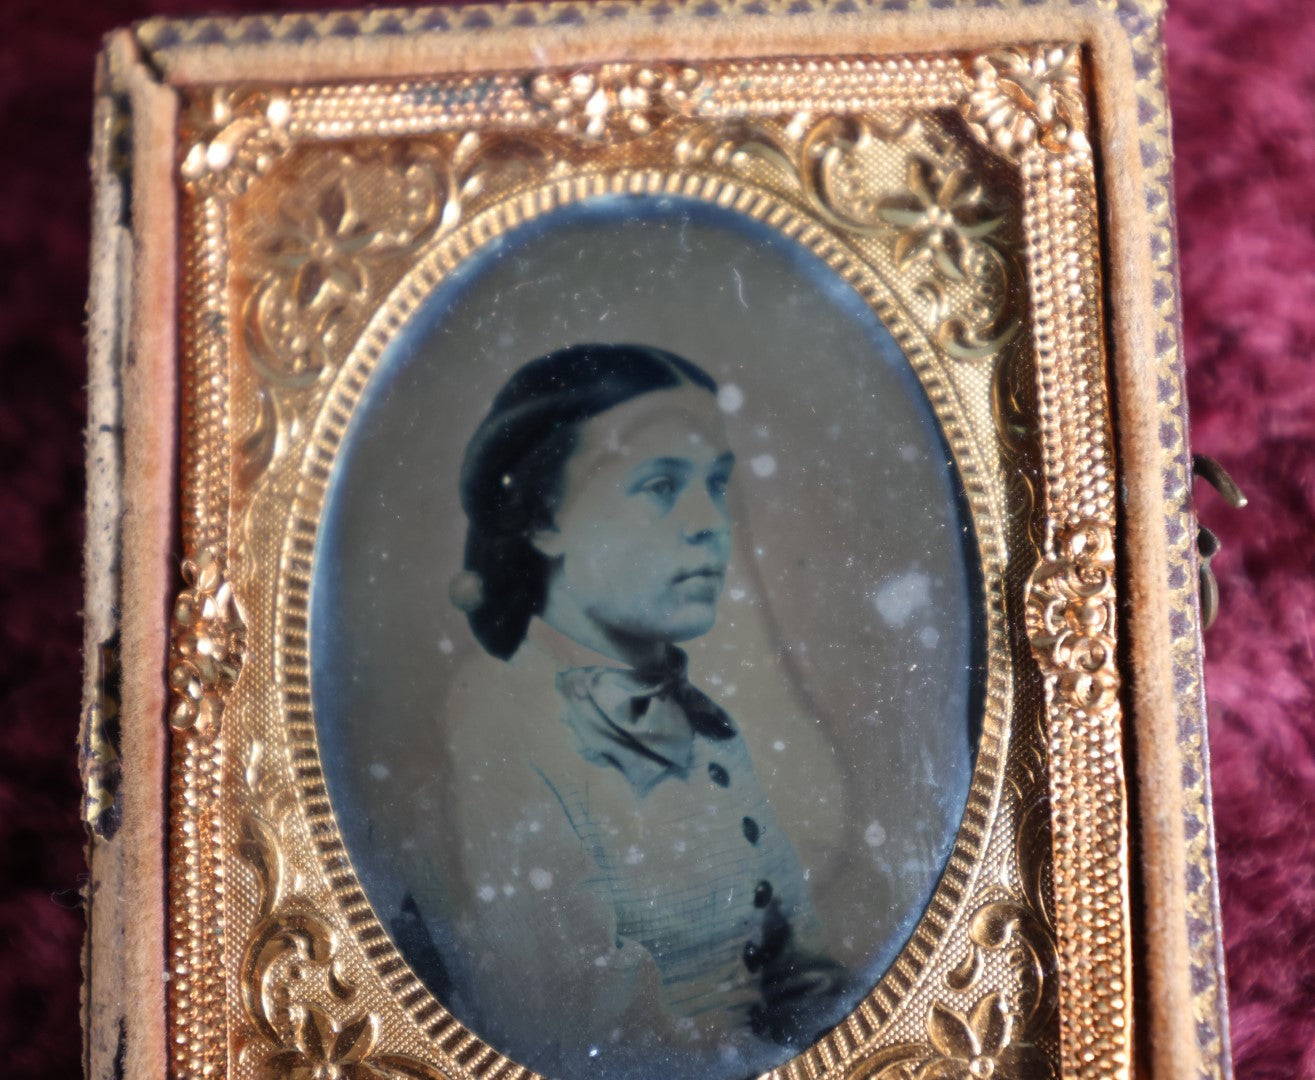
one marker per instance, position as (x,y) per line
(957,195)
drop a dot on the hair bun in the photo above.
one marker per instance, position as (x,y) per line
(467,591)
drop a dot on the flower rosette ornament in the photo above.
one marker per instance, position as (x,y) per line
(1070,616)
(207,645)
(941,217)
(1024,99)
(616,101)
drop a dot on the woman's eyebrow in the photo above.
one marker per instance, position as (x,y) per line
(727,459)
(669,463)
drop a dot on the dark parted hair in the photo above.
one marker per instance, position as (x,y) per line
(511,476)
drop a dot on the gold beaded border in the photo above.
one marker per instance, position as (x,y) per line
(745,88)
(196,972)
(1087,785)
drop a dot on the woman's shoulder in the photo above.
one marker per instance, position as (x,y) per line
(487,695)
(502,726)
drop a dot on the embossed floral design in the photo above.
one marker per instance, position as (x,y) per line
(324,1051)
(316,1047)
(328,247)
(207,643)
(317,247)
(979,1046)
(940,217)
(616,100)
(291,1037)
(1023,99)
(1070,616)
(945,230)
(314,252)
(319,252)
(1017,929)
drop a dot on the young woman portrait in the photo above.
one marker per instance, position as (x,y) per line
(621,883)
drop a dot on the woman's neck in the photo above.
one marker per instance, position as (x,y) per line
(566,617)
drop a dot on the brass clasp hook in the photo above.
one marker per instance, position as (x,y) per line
(1207,543)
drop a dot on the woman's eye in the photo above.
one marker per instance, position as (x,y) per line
(661,486)
(718,484)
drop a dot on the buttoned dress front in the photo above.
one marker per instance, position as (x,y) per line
(621,892)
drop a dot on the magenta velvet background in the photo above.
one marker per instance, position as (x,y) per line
(1243,90)
(1242,84)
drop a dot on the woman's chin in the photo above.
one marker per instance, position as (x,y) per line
(693,620)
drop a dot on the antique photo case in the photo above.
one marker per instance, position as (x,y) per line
(652,542)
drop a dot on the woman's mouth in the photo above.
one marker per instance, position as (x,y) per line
(701,584)
(710,573)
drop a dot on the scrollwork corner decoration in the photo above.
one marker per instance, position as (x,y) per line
(1022,99)
(982,1043)
(942,228)
(303,1022)
(207,644)
(994,1015)
(944,221)
(330,248)
(1070,617)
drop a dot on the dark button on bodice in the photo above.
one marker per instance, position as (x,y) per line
(751,830)
(718,774)
(762,894)
(753,957)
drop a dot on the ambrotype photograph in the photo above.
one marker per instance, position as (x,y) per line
(646,643)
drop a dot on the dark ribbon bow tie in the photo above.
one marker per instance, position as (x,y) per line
(640,722)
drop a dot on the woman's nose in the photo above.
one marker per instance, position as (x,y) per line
(705,518)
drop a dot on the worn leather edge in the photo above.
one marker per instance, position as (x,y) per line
(130,555)
(1161,846)
(1179,902)
(691,38)
(98,748)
